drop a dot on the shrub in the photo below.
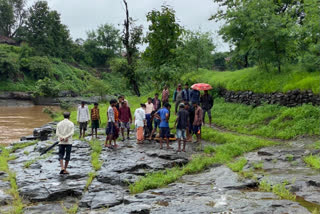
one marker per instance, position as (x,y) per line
(37,67)
(45,87)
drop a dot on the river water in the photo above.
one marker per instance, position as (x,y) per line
(19,118)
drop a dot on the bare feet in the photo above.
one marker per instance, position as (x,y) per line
(168,147)
(179,150)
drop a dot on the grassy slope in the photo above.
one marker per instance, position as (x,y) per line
(257,81)
(64,75)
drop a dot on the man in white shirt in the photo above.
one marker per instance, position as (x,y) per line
(83,118)
(111,126)
(139,122)
(64,132)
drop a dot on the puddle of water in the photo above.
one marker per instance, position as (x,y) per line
(308,205)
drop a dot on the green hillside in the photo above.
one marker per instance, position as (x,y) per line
(258,81)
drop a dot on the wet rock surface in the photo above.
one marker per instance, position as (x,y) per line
(216,190)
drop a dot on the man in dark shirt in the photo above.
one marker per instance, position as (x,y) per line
(183,123)
(190,110)
(156,102)
(206,104)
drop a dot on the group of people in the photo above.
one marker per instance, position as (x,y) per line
(152,116)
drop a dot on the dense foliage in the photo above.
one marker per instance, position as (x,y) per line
(272,33)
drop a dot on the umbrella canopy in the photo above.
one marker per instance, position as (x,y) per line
(201,86)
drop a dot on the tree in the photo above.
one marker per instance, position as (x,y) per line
(196,50)
(102,44)
(131,37)
(46,33)
(260,29)
(163,37)
(12,17)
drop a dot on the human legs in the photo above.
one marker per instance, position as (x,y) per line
(210,117)
(179,132)
(140,137)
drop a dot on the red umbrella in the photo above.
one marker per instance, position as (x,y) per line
(201,86)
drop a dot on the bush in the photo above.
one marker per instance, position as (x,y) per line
(37,67)
(46,88)
(9,67)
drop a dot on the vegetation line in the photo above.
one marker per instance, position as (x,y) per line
(232,145)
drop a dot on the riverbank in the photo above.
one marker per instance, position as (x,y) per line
(100,184)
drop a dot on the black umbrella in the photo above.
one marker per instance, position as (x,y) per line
(49,148)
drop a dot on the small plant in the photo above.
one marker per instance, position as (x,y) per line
(96,150)
(278,189)
(258,165)
(26,152)
(312,161)
(30,162)
(17,146)
(71,210)
(92,175)
(238,165)
(265,186)
(289,157)
(283,192)
(274,161)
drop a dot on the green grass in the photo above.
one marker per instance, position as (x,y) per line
(92,175)
(289,157)
(278,189)
(258,165)
(232,145)
(270,121)
(30,162)
(17,146)
(96,147)
(237,165)
(17,204)
(312,161)
(253,79)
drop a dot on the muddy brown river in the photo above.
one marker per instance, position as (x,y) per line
(18,119)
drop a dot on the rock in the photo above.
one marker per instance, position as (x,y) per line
(43,132)
(5,199)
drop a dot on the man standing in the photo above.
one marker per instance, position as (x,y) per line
(190,110)
(186,93)
(198,116)
(110,130)
(149,109)
(206,104)
(156,102)
(125,119)
(195,96)
(183,124)
(164,115)
(177,97)
(64,132)
(95,119)
(140,122)
(165,95)
(83,118)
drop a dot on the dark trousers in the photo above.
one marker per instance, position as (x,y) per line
(64,150)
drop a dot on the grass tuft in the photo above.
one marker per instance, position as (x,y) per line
(278,189)
(238,165)
(312,161)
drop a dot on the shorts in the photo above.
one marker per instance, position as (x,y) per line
(181,134)
(206,111)
(83,126)
(64,150)
(110,130)
(156,123)
(125,125)
(196,129)
(95,124)
(164,132)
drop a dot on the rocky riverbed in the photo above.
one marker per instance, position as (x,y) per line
(216,190)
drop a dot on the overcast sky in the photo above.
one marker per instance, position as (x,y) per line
(83,15)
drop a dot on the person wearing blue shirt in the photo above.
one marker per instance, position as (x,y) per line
(195,96)
(163,115)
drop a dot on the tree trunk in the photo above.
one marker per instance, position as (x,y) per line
(129,54)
